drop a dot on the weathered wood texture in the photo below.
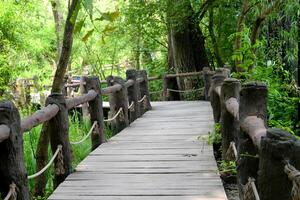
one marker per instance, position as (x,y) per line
(229,120)
(207,78)
(278,146)
(253,103)
(118,100)
(133,95)
(160,156)
(95,110)
(12,167)
(143,86)
(214,91)
(59,135)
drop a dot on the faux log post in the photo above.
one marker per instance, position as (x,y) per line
(230,95)
(215,92)
(96,110)
(276,147)
(207,76)
(59,135)
(118,100)
(253,102)
(165,88)
(223,71)
(144,91)
(133,94)
(84,107)
(12,168)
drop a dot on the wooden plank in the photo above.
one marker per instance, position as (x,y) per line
(164,155)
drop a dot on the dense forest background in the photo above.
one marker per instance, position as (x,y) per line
(256,39)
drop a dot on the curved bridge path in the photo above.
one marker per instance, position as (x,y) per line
(161,156)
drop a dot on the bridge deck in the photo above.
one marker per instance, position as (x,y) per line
(160,156)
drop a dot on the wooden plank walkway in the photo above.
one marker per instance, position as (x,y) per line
(159,157)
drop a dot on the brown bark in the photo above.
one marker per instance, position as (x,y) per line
(57,85)
(58,20)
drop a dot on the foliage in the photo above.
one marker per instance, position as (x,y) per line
(228,167)
(215,136)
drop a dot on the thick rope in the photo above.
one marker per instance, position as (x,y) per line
(120,111)
(87,135)
(250,191)
(156,92)
(59,148)
(59,165)
(183,91)
(293,175)
(12,193)
(231,153)
(142,99)
(131,106)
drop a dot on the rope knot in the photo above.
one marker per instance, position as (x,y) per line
(250,191)
(231,153)
(294,176)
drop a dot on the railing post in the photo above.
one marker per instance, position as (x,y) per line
(230,94)
(215,92)
(59,135)
(253,102)
(277,147)
(118,100)
(144,92)
(165,88)
(96,110)
(133,95)
(207,76)
(12,167)
(83,90)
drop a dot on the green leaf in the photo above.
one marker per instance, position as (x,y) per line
(79,26)
(109,29)
(87,35)
(109,16)
(88,4)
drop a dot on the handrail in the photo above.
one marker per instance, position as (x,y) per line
(184,74)
(111,89)
(232,106)
(139,80)
(40,116)
(129,83)
(75,101)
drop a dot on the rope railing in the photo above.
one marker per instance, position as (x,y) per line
(59,149)
(294,176)
(184,91)
(156,92)
(142,99)
(114,117)
(231,153)
(87,135)
(12,193)
(131,106)
(250,190)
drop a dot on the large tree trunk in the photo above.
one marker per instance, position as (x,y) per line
(187,42)
(57,86)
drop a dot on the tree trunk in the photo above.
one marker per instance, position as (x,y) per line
(187,42)
(58,20)
(57,86)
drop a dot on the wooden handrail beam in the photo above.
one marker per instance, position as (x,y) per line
(184,74)
(139,80)
(73,102)
(129,83)
(154,78)
(39,117)
(255,128)
(111,89)
(232,106)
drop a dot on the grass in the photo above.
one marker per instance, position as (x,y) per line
(78,128)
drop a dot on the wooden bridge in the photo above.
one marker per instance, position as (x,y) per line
(160,156)
(159,150)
